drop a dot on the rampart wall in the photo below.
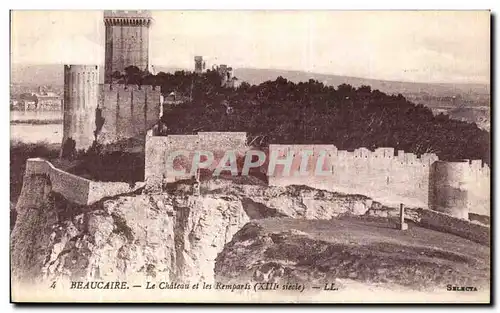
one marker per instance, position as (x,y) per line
(478,187)
(381,174)
(385,175)
(127,111)
(457,226)
(393,178)
(158,148)
(75,188)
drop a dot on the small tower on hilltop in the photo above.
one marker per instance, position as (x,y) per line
(199,64)
(127,41)
(79,107)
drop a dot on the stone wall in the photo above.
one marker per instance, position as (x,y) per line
(158,148)
(384,175)
(101,190)
(75,188)
(380,174)
(72,187)
(127,111)
(479,188)
(457,226)
(390,177)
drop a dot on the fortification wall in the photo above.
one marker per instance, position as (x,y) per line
(101,190)
(128,111)
(392,178)
(75,188)
(381,174)
(384,175)
(478,188)
(79,106)
(71,187)
(453,225)
(158,149)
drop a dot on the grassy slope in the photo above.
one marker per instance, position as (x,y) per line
(359,249)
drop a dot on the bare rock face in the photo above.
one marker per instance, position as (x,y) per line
(127,238)
(31,235)
(150,235)
(293,201)
(203,226)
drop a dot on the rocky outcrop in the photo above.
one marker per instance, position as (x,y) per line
(158,235)
(292,201)
(30,237)
(128,238)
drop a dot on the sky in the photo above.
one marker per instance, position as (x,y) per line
(416,46)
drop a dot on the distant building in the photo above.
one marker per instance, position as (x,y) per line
(234,83)
(227,78)
(47,101)
(174,98)
(37,101)
(14,104)
(199,64)
(27,105)
(225,72)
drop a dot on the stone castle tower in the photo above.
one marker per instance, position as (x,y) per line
(199,64)
(80,104)
(127,41)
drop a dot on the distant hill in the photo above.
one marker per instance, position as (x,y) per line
(52,74)
(34,75)
(256,76)
(37,75)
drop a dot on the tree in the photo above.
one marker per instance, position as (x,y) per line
(117,75)
(133,75)
(312,113)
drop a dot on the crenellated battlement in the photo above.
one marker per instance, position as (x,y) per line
(81,67)
(130,87)
(127,14)
(137,18)
(380,154)
(477,165)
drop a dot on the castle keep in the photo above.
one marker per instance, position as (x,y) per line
(127,41)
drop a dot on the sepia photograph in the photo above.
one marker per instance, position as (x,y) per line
(250,156)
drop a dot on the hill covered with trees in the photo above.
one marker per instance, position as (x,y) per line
(285,112)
